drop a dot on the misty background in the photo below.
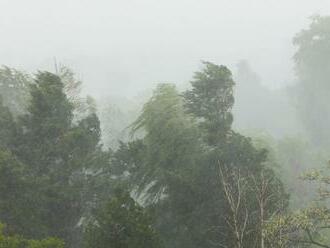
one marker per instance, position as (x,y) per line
(120,47)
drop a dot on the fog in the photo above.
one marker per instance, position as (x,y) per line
(164,124)
(122,47)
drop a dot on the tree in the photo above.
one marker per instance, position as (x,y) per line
(14,194)
(62,157)
(260,108)
(82,105)
(235,188)
(211,99)
(312,68)
(241,188)
(122,223)
(174,168)
(72,86)
(8,127)
(162,166)
(309,226)
(271,198)
(14,89)
(171,141)
(16,241)
(49,117)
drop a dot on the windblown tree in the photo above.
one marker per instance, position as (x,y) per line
(14,89)
(162,166)
(60,156)
(174,169)
(82,105)
(72,86)
(238,157)
(170,140)
(211,99)
(51,161)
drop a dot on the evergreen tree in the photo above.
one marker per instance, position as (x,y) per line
(61,158)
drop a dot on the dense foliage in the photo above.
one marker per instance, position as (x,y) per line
(121,223)
(174,170)
(16,241)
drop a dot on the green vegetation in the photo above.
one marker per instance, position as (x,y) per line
(312,69)
(181,177)
(121,223)
(16,241)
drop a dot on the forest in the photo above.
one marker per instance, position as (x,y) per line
(181,167)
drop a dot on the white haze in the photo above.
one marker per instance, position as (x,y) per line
(122,47)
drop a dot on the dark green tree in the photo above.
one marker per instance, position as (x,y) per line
(121,223)
(48,119)
(14,194)
(7,127)
(62,158)
(211,99)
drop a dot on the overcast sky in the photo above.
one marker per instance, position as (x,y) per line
(126,45)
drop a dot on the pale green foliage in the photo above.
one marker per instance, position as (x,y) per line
(290,157)
(16,241)
(307,226)
(14,89)
(72,86)
(83,105)
(171,141)
(312,63)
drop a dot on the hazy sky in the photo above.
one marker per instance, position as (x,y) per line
(130,44)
